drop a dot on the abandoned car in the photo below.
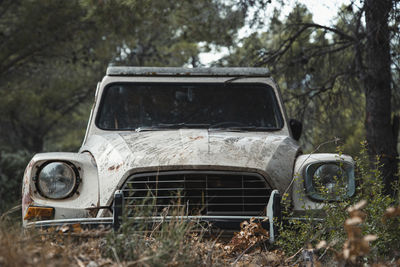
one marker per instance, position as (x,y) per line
(215,141)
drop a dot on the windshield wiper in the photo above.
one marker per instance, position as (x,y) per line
(165,126)
(215,127)
(148,128)
(244,128)
(182,125)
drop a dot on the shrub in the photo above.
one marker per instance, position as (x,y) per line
(298,235)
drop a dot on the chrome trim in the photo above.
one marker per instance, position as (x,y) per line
(60,222)
(109,220)
(271,215)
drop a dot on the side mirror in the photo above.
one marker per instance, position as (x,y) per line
(296,127)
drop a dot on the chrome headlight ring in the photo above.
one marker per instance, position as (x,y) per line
(329,180)
(57,179)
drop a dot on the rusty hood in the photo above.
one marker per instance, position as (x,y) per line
(120,154)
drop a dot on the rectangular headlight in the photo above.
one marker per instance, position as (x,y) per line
(332,180)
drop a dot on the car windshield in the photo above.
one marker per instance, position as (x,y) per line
(133,106)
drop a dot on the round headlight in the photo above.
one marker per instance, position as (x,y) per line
(57,180)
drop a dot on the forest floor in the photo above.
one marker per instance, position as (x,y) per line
(174,244)
(178,243)
(91,248)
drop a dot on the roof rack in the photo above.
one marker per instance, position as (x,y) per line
(171,71)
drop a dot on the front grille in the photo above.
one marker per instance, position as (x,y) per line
(199,193)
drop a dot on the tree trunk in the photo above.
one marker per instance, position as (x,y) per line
(377,84)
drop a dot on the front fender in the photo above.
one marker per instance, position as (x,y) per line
(301,201)
(75,206)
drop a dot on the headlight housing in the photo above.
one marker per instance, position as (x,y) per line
(330,181)
(57,180)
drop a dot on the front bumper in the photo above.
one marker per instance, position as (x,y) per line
(86,223)
(226,223)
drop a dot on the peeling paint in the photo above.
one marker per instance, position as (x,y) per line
(26,201)
(114,167)
(196,138)
(126,152)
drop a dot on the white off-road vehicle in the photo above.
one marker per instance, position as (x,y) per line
(215,141)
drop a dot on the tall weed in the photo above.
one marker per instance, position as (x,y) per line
(176,241)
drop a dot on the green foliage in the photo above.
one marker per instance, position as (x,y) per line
(12,166)
(49,65)
(165,33)
(315,72)
(54,52)
(298,234)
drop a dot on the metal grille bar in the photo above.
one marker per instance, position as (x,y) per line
(199,192)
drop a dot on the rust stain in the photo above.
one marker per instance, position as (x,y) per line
(25,172)
(196,138)
(26,179)
(93,212)
(115,167)
(111,168)
(26,201)
(31,163)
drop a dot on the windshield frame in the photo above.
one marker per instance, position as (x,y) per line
(275,99)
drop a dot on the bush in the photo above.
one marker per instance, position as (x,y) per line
(304,234)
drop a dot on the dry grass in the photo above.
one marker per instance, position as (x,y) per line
(100,248)
(44,249)
(173,244)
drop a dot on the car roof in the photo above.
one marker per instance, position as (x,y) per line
(172,71)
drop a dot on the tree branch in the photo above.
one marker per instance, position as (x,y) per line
(334,30)
(286,44)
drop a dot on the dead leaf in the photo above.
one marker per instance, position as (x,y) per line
(321,244)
